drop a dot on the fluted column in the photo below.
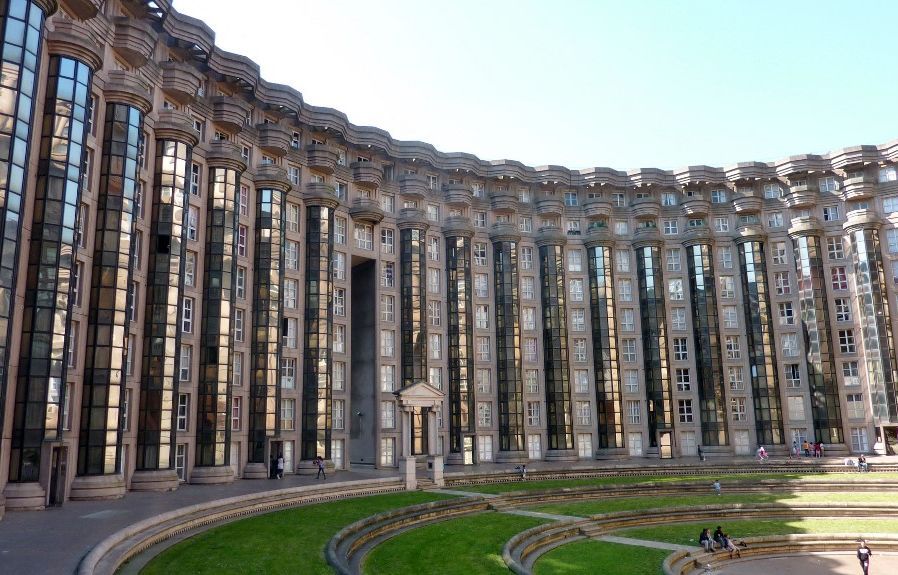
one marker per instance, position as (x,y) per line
(413,295)
(41,378)
(606,362)
(99,440)
(21,71)
(823,385)
(553,290)
(156,435)
(879,344)
(317,370)
(706,331)
(656,355)
(272,186)
(458,232)
(213,430)
(509,371)
(761,344)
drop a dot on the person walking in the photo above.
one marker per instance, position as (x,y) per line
(794,452)
(863,555)
(762,454)
(280,465)
(319,461)
(716,486)
(272,467)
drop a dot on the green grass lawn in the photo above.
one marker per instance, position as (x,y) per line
(290,541)
(590,557)
(687,533)
(469,545)
(498,488)
(611,505)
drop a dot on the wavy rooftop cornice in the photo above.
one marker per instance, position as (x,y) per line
(195,36)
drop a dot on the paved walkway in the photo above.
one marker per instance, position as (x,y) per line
(810,564)
(541,515)
(645,543)
(53,541)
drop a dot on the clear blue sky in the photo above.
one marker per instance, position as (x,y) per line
(623,84)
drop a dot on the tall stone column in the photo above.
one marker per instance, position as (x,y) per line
(272,186)
(317,367)
(553,291)
(459,300)
(863,229)
(706,331)
(509,370)
(606,361)
(761,340)
(99,440)
(656,354)
(21,71)
(216,347)
(41,377)
(823,384)
(159,381)
(413,295)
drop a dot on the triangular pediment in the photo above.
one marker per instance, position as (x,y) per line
(419,393)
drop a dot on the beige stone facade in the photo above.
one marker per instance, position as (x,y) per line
(343,206)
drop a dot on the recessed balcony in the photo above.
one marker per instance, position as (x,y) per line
(134,40)
(83,9)
(413,186)
(696,207)
(858,188)
(128,87)
(226,154)
(596,208)
(367,174)
(647,207)
(180,80)
(800,197)
(504,202)
(412,218)
(272,176)
(455,226)
(366,210)
(230,112)
(322,158)
(549,207)
(748,205)
(274,139)
(458,195)
(175,125)
(318,193)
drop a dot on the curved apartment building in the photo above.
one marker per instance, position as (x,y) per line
(200,271)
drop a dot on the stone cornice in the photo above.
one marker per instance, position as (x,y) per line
(193,33)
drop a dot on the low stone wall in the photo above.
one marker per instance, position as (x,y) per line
(522,550)
(108,555)
(748,468)
(698,562)
(346,550)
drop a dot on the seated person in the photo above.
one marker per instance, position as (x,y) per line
(862,463)
(705,539)
(718,536)
(728,545)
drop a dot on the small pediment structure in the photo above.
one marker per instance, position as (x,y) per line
(420,394)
